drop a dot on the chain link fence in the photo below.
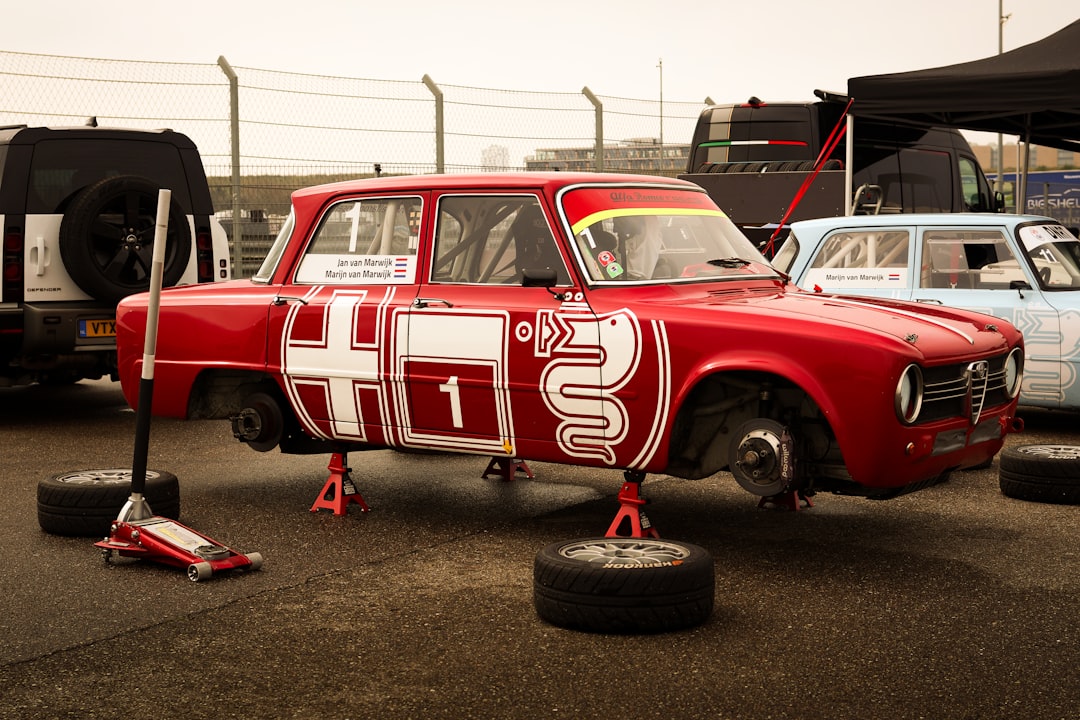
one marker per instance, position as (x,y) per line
(263,134)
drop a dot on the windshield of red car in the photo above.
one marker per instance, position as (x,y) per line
(656,234)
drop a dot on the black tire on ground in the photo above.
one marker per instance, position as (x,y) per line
(1041,473)
(623,585)
(83,503)
(107,238)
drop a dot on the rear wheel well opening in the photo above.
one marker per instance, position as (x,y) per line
(219,394)
(720,404)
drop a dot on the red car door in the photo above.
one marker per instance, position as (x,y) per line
(480,343)
(338,315)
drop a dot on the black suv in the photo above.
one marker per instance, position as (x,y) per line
(78,207)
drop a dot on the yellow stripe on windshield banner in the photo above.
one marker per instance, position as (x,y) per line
(596,217)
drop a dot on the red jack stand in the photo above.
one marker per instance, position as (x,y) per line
(630,503)
(339,490)
(506,468)
(791,500)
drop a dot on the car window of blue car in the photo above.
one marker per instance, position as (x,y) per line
(977,258)
(875,258)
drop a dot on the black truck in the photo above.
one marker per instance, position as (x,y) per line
(768,164)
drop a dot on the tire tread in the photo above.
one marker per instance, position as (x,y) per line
(580,596)
(88,510)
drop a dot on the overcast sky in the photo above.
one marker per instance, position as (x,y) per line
(725,49)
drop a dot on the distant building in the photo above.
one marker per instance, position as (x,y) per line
(648,156)
(495,157)
(1042,158)
(639,155)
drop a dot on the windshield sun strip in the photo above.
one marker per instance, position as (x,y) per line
(596,217)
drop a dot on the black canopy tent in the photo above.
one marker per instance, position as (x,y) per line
(1032,92)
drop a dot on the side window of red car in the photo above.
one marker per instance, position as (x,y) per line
(364,241)
(492,239)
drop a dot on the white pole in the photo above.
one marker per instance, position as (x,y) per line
(136,508)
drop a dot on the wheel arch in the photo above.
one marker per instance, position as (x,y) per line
(218,393)
(720,397)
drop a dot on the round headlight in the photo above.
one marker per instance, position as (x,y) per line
(1014,372)
(909,394)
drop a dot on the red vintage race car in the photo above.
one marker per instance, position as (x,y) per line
(592,319)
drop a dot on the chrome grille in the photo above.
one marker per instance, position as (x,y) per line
(960,390)
(977,373)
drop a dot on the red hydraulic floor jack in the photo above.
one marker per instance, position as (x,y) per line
(170,543)
(136,532)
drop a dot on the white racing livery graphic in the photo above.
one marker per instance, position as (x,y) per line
(593,420)
(466,351)
(337,364)
(1052,347)
(347,353)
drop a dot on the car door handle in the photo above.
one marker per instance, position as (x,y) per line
(424,302)
(39,256)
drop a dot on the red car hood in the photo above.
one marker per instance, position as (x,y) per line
(946,331)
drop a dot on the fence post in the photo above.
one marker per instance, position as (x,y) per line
(599,152)
(234,143)
(439,136)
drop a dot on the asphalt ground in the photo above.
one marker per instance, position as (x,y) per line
(954,602)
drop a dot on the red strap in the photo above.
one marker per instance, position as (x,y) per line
(835,136)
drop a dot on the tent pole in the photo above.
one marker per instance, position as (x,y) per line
(1019,178)
(1000,182)
(1021,200)
(849,167)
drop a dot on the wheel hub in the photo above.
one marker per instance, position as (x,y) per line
(247,425)
(624,551)
(759,455)
(762,457)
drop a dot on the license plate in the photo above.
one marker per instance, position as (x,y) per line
(97,328)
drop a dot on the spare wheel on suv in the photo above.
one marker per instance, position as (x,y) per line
(107,238)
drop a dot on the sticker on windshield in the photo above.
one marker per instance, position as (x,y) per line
(611,266)
(1035,236)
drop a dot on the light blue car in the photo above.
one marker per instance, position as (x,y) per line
(1023,268)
